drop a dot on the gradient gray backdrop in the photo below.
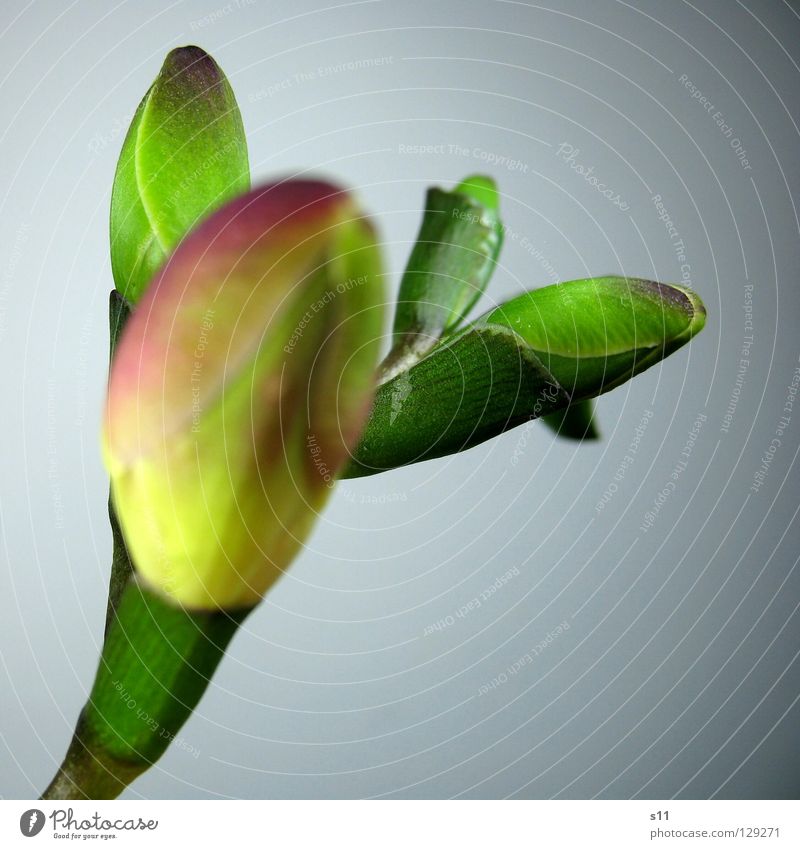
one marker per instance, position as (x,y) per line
(678,673)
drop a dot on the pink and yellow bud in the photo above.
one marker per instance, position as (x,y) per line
(239,386)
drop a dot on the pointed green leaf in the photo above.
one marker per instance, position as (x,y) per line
(185,154)
(597,333)
(449,268)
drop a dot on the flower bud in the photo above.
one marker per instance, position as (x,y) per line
(535,355)
(185,154)
(238,386)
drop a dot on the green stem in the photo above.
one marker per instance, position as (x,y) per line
(119,311)
(156,663)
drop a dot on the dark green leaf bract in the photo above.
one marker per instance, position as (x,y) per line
(472,387)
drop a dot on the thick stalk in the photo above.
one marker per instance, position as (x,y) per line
(156,663)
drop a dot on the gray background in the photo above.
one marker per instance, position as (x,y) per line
(678,674)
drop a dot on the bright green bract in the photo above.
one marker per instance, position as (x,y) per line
(185,154)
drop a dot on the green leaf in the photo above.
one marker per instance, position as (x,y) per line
(533,356)
(185,154)
(448,270)
(574,422)
(472,387)
(597,333)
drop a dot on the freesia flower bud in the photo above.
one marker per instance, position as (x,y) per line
(185,154)
(238,386)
